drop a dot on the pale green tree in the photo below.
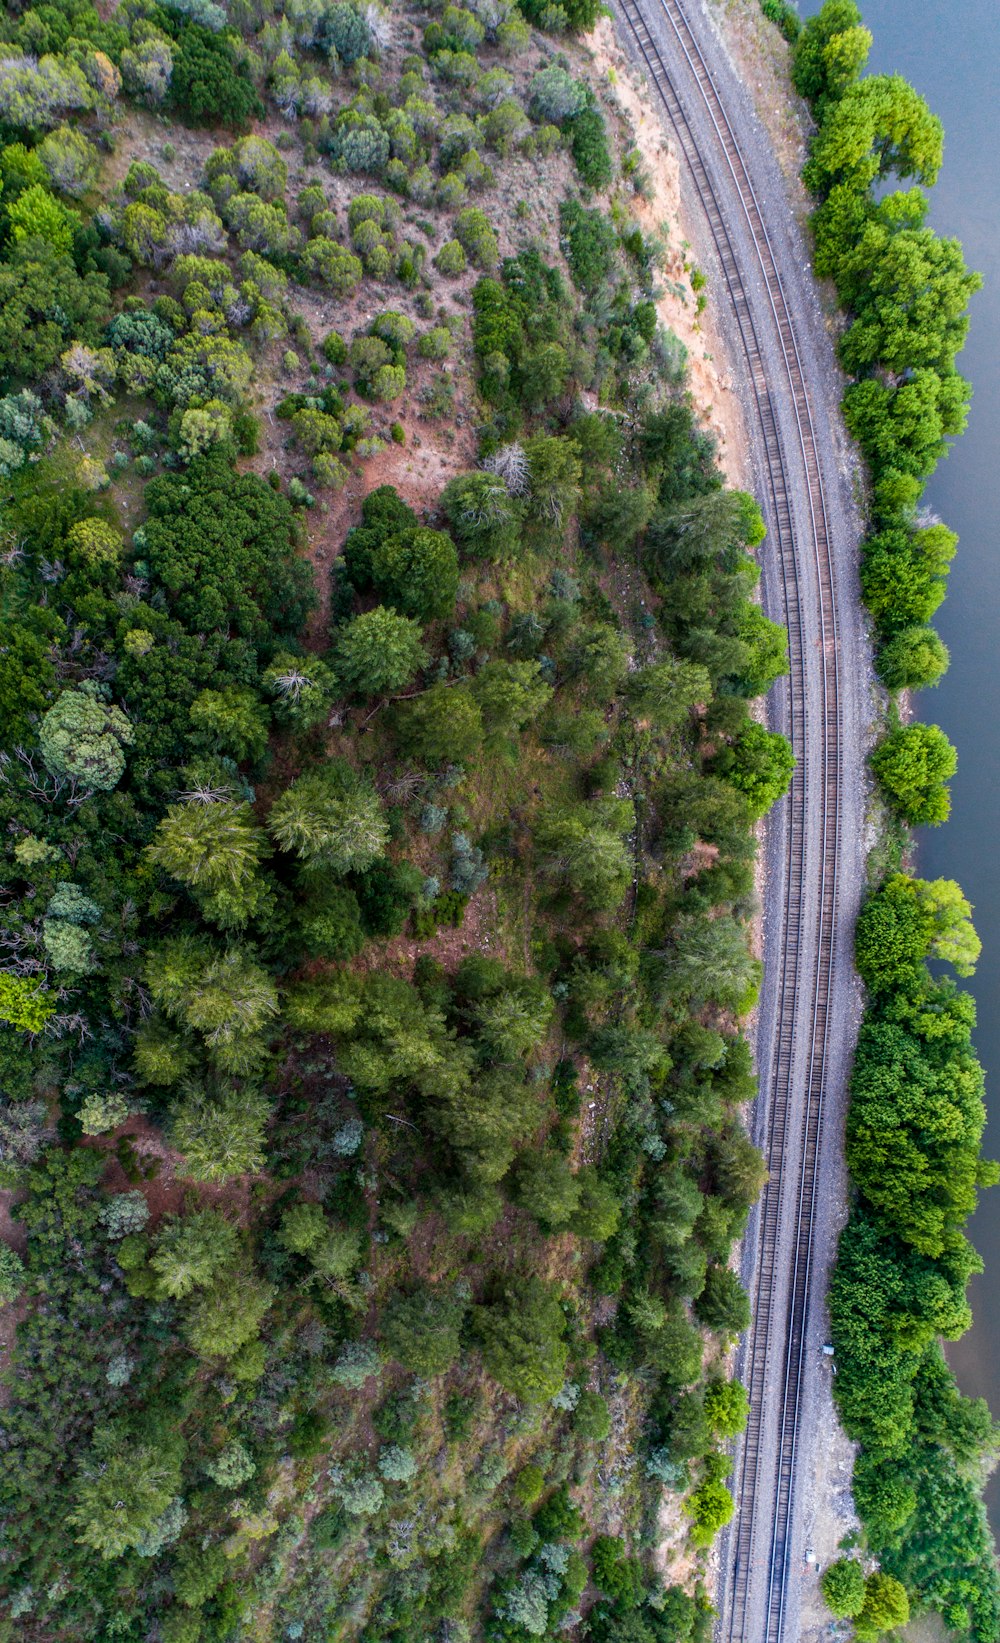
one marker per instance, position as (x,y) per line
(379,652)
(331,817)
(123,1491)
(212,844)
(190,1250)
(220,1134)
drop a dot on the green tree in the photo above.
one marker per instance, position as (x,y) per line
(829,54)
(668,691)
(913,659)
(710,960)
(760,763)
(331,817)
(843,1588)
(520,1329)
(910,292)
(878,126)
(913,766)
(227,1314)
(546,1187)
(84,737)
(723,1304)
(710,1507)
(727,1407)
(422,1330)
(232,721)
(585,848)
(38,215)
(510,695)
(301,689)
(220,1135)
(24,1002)
(417,572)
(213,846)
(483,517)
(886,1607)
(442,726)
(191,1249)
(122,1491)
(379,652)
(45,304)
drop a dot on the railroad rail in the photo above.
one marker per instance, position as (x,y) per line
(774,1351)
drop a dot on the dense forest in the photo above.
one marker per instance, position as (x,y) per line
(916,1103)
(380,778)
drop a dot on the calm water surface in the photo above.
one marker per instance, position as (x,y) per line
(952,55)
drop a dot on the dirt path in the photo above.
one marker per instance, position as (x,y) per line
(793,568)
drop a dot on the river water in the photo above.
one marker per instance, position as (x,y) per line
(951,53)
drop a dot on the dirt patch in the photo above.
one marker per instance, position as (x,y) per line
(663,213)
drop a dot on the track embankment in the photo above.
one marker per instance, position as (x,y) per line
(782,356)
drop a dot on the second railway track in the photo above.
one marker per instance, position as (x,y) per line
(758,1547)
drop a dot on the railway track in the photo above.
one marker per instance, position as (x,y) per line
(757,1548)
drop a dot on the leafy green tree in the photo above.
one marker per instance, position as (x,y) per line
(903,429)
(214,847)
(231,721)
(953,936)
(886,1607)
(902,574)
(711,960)
(546,1187)
(441,726)
(585,847)
(24,1002)
(592,1417)
(483,517)
(220,1135)
(510,695)
(331,817)
(668,691)
(913,659)
(84,737)
(45,304)
(710,1507)
(232,1466)
(38,215)
(226,1315)
(878,126)
(122,1491)
(843,1588)
(829,54)
(727,1407)
(913,766)
(379,652)
(760,763)
(71,161)
(417,572)
(301,689)
(422,1331)
(910,292)
(221,545)
(723,1303)
(191,1249)
(520,1330)
(209,82)
(332,265)
(12,1275)
(477,239)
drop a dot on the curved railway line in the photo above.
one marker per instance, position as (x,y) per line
(759,1544)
